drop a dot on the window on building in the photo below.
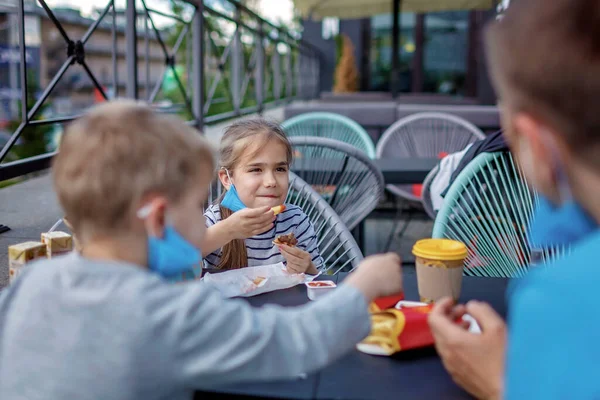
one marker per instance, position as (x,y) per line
(381,51)
(437,45)
(445,52)
(330,28)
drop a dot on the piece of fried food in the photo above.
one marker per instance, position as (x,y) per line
(289,239)
(278,209)
(386,326)
(258,280)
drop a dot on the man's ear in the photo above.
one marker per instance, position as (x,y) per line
(530,134)
(537,148)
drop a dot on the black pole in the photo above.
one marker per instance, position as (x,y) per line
(395,78)
(131,56)
(198,50)
(417,64)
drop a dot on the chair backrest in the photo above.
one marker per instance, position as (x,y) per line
(343,175)
(426,194)
(425,135)
(336,243)
(332,126)
(489,208)
(215,190)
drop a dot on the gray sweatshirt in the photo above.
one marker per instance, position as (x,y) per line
(73,328)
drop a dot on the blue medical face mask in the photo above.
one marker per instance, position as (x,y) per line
(232,200)
(172,255)
(560,225)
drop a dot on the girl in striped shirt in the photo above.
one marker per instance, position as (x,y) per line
(255,157)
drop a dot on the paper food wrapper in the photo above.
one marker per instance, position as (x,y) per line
(251,281)
(57,243)
(24,253)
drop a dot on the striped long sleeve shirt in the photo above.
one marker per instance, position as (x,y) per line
(260,248)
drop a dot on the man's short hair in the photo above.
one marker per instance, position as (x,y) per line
(545,60)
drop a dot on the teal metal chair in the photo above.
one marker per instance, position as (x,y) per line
(338,248)
(489,208)
(421,135)
(346,178)
(332,126)
(425,135)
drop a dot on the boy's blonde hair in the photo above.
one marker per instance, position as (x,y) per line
(545,60)
(117,154)
(250,134)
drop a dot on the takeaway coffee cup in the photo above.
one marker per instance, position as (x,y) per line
(440,265)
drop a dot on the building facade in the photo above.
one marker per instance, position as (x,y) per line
(46,51)
(441,53)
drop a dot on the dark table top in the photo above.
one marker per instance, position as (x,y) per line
(415,374)
(405,170)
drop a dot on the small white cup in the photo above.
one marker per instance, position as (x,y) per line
(316,289)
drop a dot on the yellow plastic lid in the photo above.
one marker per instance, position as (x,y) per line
(440,249)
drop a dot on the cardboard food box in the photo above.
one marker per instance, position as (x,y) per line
(402,326)
(76,243)
(13,273)
(57,243)
(383,303)
(394,330)
(23,253)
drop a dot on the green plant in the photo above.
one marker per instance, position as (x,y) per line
(215,48)
(339,45)
(10,182)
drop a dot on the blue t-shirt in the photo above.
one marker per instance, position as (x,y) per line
(554,327)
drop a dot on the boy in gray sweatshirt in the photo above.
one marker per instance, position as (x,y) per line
(106,324)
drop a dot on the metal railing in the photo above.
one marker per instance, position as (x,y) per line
(216,64)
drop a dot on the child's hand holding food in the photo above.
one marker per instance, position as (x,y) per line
(298,260)
(250,222)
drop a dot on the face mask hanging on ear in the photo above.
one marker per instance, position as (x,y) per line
(171,255)
(232,200)
(560,225)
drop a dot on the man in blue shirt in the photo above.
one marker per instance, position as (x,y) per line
(545,63)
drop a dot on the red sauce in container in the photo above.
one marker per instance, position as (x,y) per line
(320,284)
